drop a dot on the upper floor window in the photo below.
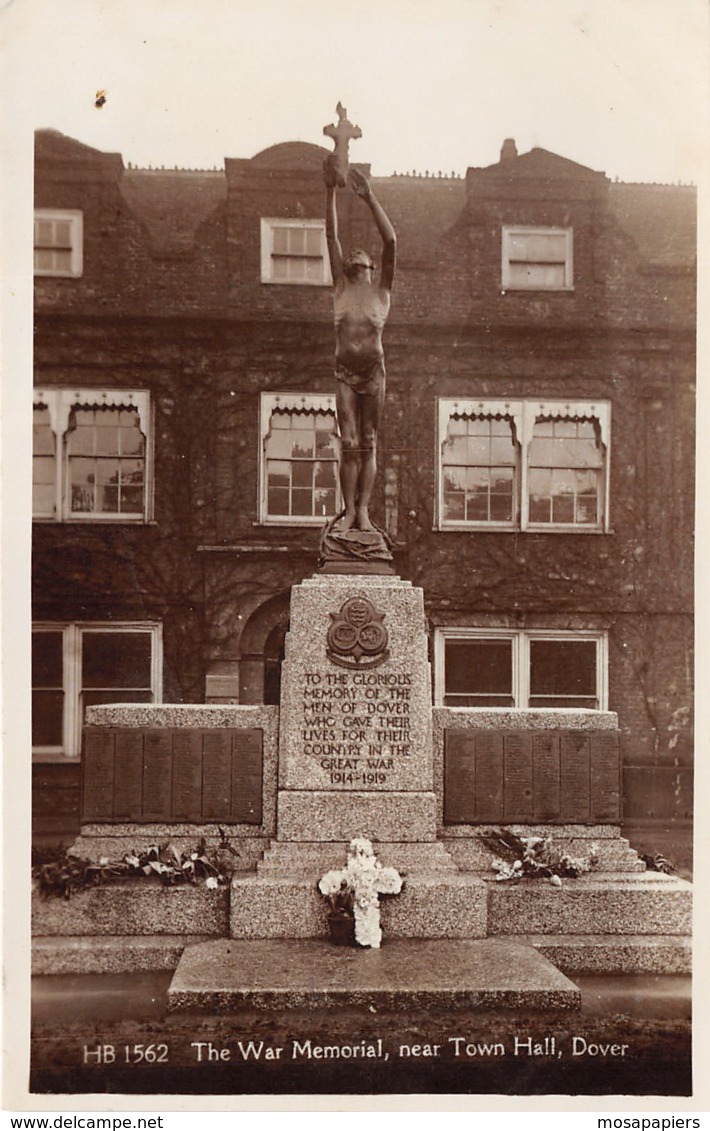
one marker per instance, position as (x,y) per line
(91,457)
(295,252)
(75,666)
(524,465)
(537,259)
(299,465)
(522,669)
(58,242)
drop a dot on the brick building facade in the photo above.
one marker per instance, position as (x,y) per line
(536,458)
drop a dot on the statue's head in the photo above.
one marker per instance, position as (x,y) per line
(357,258)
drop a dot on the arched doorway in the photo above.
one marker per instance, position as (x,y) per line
(262,650)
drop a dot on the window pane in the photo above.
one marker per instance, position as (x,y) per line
(303,441)
(324,475)
(47,662)
(43,463)
(313,270)
(279,473)
(563,669)
(454,506)
(278,500)
(314,245)
(280,241)
(480,667)
(116,659)
(128,695)
(302,501)
(324,503)
(325,440)
(302,473)
(47,718)
(42,435)
(81,438)
(536,275)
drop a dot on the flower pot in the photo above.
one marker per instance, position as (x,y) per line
(342,929)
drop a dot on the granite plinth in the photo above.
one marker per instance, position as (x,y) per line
(309,860)
(356,688)
(63,954)
(192,715)
(143,907)
(617,904)
(622,954)
(342,816)
(531,718)
(407,974)
(429,907)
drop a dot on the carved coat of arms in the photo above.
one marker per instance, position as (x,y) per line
(357,637)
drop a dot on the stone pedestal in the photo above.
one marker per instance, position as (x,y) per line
(355,742)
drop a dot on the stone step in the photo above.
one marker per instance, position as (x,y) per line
(224,975)
(621,954)
(614,854)
(610,903)
(92,954)
(429,907)
(285,858)
(143,907)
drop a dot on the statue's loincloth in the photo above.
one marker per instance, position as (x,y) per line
(369,382)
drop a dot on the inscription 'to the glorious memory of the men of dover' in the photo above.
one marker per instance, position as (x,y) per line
(357,721)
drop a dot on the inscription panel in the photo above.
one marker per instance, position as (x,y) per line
(546,776)
(496,776)
(605,776)
(517,747)
(356,727)
(98,774)
(459,777)
(490,776)
(217,775)
(247,776)
(128,784)
(575,786)
(129,774)
(187,775)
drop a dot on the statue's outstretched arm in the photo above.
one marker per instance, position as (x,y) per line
(361,186)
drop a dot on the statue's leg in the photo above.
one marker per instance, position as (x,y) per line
(346,402)
(370,408)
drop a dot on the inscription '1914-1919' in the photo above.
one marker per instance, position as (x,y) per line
(357,726)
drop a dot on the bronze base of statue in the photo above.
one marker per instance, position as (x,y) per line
(354,551)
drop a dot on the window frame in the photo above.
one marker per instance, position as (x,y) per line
(524,414)
(510,232)
(315,402)
(60,402)
(521,639)
(72,642)
(268,226)
(75,218)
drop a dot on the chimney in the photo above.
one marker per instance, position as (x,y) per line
(509,150)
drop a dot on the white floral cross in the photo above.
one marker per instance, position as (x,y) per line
(364,876)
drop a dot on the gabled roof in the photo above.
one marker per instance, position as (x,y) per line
(537,163)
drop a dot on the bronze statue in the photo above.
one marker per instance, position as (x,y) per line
(361,306)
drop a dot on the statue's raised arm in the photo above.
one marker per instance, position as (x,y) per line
(360,185)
